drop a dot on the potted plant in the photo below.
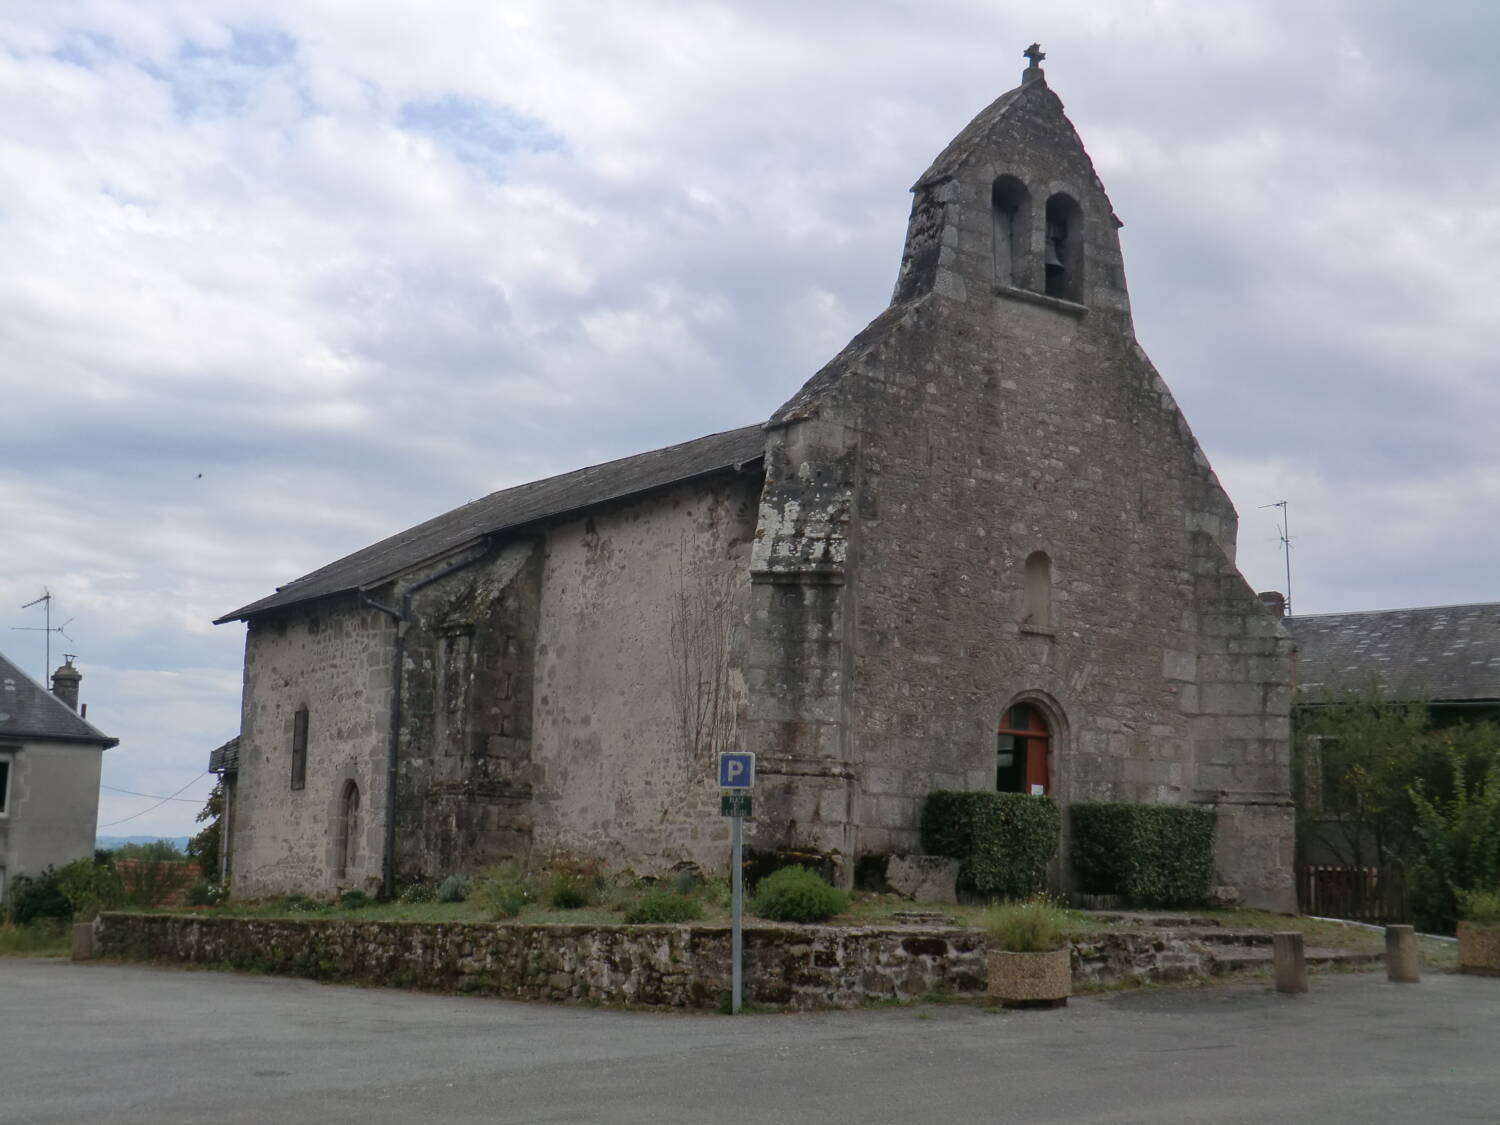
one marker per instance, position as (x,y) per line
(1030,958)
(1479,932)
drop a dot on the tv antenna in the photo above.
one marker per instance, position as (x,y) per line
(1284,531)
(46,602)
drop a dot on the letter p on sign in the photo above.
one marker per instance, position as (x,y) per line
(736,771)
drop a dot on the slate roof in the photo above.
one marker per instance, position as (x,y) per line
(516,507)
(1440,654)
(29,711)
(226,759)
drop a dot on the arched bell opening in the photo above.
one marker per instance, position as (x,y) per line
(1063,251)
(1010,211)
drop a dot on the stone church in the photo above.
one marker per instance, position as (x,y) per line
(980,548)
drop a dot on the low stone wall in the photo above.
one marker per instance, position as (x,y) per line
(669,966)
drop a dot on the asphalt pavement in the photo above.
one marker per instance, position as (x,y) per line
(105,1043)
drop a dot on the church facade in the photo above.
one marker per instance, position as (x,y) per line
(980,548)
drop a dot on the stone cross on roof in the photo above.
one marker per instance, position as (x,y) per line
(1035,54)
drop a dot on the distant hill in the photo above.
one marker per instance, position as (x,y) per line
(110,843)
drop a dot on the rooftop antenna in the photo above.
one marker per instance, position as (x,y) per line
(46,602)
(1284,530)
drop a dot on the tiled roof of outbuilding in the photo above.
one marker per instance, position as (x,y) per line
(226,759)
(29,711)
(516,507)
(1438,654)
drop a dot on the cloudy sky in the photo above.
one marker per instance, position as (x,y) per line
(281,277)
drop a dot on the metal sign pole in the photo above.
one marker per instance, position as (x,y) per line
(737,900)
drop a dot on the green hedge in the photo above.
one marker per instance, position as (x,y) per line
(1002,841)
(1151,855)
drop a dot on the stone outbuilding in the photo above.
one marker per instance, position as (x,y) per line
(980,548)
(50,761)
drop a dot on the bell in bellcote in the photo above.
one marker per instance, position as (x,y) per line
(1054,258)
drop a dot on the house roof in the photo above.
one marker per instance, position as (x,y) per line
(31,712)
(226,759)
(516,507)
(1439,654)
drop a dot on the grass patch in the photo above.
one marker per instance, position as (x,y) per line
(47,938)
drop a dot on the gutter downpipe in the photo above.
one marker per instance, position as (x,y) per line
(402,618)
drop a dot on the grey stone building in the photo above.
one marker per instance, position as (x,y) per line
(979,548)
(50,760)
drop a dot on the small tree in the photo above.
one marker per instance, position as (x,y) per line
(1459,841)
(204,848)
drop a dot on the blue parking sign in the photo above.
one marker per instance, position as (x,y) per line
(737,771)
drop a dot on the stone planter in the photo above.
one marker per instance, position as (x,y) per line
(1478,949)
(1021,980)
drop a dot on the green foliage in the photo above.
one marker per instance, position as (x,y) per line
(46,937)
(1459,837)
(1480,907)
(686,882)
(503,891)
(570,890)
(661,905)
(795,894)
(417,890)
(34,897)
(455,888)
(1152,855)
(355,900)
(203,849)
(300,904)
(89,887)
(1035,926)
(153,850)
(1002,841)
(204,893)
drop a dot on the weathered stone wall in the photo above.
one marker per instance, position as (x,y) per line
(973,424)
(334,658)
(670,966)
(614,777)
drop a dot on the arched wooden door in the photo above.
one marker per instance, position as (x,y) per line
(1021,749)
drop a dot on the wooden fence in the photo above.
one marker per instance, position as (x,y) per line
(1361,894)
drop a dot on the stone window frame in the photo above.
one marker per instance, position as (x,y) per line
(8,756)
(301,725)
(1058,732)
(339,863)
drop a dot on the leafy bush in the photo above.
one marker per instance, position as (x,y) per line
(1035,926)
(1459,842)
(795,894)
(662,905)
(417,890)
(503,891)
(33,897)
(355,900)
(1480,907)
(1152,855)
(300,903)
(1002,841)
(89,887)
(455,888)
(204,893)
(570,890)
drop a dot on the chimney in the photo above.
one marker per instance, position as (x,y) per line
(1273,600)
(65,683)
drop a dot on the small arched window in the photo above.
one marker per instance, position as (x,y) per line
(346,831)
(1010,209)
(1036,609)
(1063,254)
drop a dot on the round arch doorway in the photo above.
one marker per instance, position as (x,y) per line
(1021,747)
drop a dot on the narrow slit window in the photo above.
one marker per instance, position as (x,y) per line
(299,748)
(1037,608)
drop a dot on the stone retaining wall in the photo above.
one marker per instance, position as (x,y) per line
(668,966)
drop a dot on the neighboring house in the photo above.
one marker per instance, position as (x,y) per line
(979,549)
(50,759)
(1447,657)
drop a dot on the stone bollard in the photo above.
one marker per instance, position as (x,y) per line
(1290,962)
(83,941)
(1403,963)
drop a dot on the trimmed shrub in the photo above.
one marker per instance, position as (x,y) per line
(1002,841)
(1150,855)
(795,894)
(1036,926)
(455,888)
(662,905)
